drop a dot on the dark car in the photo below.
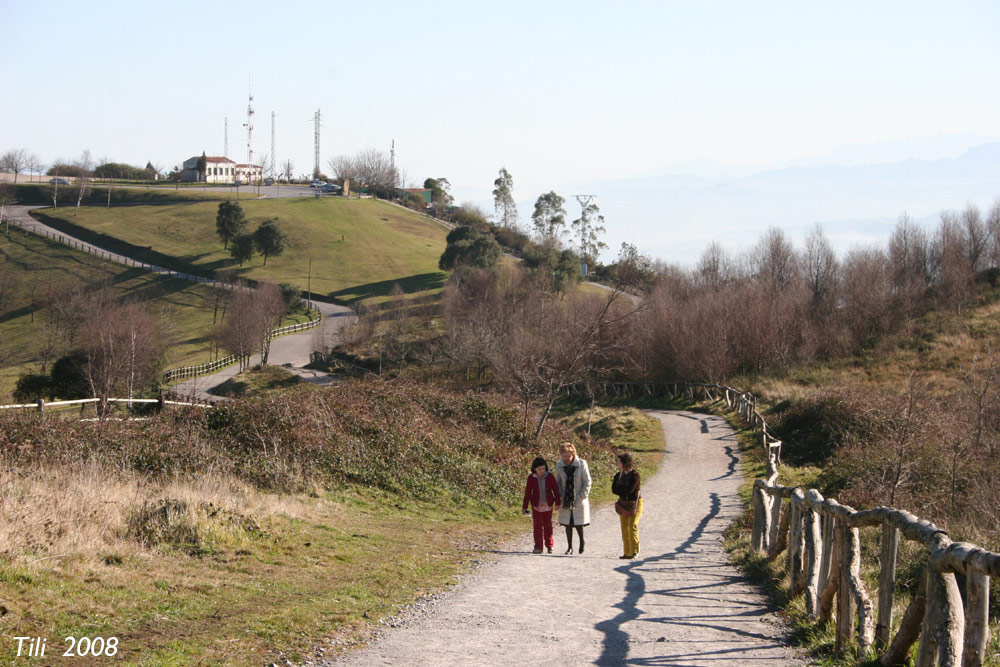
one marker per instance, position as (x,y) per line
(58,181)
(332,187)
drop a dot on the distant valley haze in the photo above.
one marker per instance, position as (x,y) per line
(857,193)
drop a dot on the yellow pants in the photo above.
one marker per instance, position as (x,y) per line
(630,530)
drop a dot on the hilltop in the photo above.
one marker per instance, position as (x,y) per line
(359,248)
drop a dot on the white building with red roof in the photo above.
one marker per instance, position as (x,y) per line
(220,170)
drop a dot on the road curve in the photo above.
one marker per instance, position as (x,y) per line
(292,351)
(679,603)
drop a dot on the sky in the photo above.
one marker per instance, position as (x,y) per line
(563,94)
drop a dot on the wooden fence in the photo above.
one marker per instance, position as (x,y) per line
(161,402)
(821,543)
(211,367)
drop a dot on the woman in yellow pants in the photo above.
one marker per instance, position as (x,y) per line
(626,485)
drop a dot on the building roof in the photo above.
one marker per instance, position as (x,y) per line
(217,159)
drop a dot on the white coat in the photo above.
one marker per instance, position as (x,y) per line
(580,509)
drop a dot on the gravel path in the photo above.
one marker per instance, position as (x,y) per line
(679,603)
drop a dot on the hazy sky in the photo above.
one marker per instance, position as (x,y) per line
(562,93)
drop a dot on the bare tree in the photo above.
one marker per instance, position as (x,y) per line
(254,314)
(372,169)
(35,164)
(86,165)
(993,227)
(123,348)
(821,269)
(713,271)
(977,238)
(910,262)
(15,161)
(288,171)
(774,260)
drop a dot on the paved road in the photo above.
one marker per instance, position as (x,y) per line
(680,603)
(291,351)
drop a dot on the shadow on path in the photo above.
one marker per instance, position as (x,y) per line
(615,644)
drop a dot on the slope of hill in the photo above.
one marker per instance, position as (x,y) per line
(31,267)
(358,248)
(266,525)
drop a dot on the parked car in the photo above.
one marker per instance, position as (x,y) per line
(331,187)
(237,182)
(58,181)
(317,184)
(268,181)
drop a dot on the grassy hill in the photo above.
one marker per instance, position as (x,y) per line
(359,248)
(30,265)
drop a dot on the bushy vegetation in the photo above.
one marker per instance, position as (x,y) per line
(401,437)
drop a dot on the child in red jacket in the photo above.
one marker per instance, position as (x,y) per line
(542,493)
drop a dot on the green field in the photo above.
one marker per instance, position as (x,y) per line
(359,248)
(31,264)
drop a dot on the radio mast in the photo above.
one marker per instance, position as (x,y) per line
(225,137)
(249,126)
(317,123)
(272,144)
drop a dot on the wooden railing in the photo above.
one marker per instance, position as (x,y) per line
(211,367)
(821,542)
(41,405)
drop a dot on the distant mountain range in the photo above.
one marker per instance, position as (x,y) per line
(674,216)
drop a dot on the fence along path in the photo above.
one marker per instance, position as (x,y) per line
(821,542)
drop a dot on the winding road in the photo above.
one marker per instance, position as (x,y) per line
(291,351)
(680,603)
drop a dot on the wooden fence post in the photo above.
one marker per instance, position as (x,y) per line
(909,629)
(886,584)
(827,551)
(813,555)
(775,525)
(944,624)
(859,596)
(845,626)
(977,618)
(41,405)
(760,516)
(794,555)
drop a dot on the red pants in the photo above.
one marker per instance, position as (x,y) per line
(542,523)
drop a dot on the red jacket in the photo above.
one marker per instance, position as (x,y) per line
(531,492)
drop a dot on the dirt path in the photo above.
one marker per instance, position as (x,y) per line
(679,603)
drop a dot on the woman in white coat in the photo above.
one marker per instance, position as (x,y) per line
(573,476)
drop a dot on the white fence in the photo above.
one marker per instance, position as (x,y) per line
(211,367)
(41,405)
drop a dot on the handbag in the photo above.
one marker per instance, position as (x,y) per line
(625,507)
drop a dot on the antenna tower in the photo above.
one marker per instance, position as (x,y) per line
(225,137)
(317,118)
(392,160)
(272,144)
(249,126)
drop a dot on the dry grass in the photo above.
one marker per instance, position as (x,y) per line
(81,515)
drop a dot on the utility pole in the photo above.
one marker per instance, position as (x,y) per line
(249,126)
(309,282)
(317,123)
(392,161)
(272,145)
(225,137)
